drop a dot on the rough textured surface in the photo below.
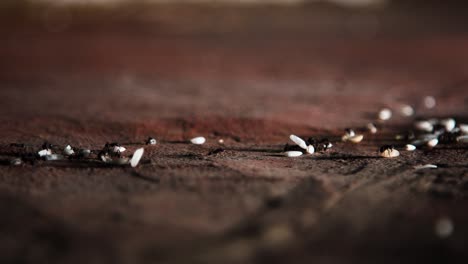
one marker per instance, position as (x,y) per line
(95,81)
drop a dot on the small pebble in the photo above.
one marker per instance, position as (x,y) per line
(429,102)
(433,142)
(400,137)
(410,147)
(448,123)
(293,153)
(355,139)
(424,125)
(407,110)
(299,141)
(444,227)
(426,166)
(310,149)
(198,140)
(372,128)
(151,141)
(463,128)
(68,150)
(385,114)
(16,162)
(44,152)
(136,157)
(462,139)
(118,149)
(388,152)
(351,136)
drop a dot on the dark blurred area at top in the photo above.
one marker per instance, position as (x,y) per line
(280,17)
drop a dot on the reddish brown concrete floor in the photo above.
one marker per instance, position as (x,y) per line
(91,82)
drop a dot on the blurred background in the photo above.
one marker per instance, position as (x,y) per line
(192,45)
(120,36)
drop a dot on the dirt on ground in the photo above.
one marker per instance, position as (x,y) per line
(251,77)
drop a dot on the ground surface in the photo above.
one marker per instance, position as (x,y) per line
(251,79)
